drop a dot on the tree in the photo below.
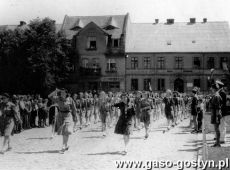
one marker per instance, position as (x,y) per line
(34,60)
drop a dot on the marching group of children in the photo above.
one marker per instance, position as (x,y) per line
(69,113)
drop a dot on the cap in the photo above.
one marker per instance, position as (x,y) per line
(195,90)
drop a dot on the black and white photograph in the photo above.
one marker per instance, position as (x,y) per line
(114,84)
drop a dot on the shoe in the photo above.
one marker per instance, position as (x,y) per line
(2,152)
(62,151)
(124,152)
(194,131)
(216,145)
(146,136)
(67,148)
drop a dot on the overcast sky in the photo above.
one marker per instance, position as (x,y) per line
(13,11)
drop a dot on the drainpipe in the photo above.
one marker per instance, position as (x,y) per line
(126,56)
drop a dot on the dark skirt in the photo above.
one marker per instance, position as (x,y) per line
(104,115)
(145,117)
(52,115)
(124,126)
(215,119)
(168,115)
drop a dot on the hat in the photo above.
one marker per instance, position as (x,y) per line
(220,83)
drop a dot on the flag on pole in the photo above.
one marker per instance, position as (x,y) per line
(150,87)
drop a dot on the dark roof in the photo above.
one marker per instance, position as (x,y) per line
(101,21)
(178,37)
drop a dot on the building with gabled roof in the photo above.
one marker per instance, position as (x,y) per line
(175,55)
(99,42)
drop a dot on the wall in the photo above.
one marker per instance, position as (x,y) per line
(188,73)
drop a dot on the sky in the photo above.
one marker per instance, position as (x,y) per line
(13,11)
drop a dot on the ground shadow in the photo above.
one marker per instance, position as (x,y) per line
(39,152)
(94,137)
(157,130)
(136,137)
(93,130)
(44,138)
(106,153)
(182,133)
(190,150)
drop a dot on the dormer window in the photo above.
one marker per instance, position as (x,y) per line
(91,43)
(111,24)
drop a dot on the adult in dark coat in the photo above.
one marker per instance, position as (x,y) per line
(224,112)
(215,104)
(124,125)
(194,110)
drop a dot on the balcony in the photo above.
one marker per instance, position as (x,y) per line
(90,71)
(111,70)
(115,51)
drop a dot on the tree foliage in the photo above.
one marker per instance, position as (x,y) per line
(34,59)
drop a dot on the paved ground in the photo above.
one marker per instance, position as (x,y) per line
(33,149)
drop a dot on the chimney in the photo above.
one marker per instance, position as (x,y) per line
(192,20)
(170,21)
(204,20)
(156,21)
(22,23)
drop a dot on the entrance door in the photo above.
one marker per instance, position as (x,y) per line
(179,85)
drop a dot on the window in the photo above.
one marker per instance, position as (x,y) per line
(211,63)
(134,84)
(85,62)
(160,62)
(196,83)
(223,62)
(146,62)
(196,62)
(161,84)
(115,42)
(96,63)
(111,65)
(134,63)
(92,43)
(179,62)
(147,82)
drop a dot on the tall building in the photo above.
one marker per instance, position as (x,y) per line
(99,42)
(175,55)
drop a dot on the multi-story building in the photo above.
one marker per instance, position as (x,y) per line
(177,56)
(99,42)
